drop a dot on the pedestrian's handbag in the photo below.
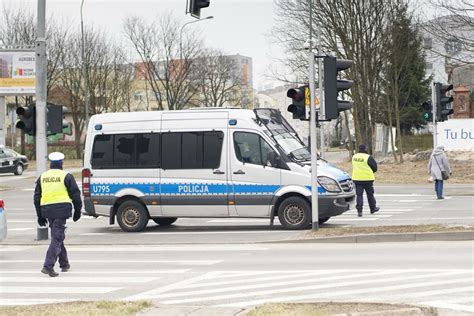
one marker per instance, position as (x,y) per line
(444,174)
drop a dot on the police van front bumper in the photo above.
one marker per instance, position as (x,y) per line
(329,206)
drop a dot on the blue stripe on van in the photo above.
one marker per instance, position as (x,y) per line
(187,188)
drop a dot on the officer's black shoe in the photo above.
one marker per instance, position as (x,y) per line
(65,268)
(375,210)
(51,272)
(359,214)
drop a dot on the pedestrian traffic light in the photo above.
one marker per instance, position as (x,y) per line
(427,111)
(27,121)
(443,102)
(54,119)
(298,105)
(195,7)
(332,87)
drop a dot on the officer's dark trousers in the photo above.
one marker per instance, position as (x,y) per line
(56,248)
(368,186)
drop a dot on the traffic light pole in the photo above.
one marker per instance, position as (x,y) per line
(321,94)
(41,65)
(312,128)
(434,109)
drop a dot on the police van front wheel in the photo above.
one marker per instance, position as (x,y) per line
(132,216)
(294,213)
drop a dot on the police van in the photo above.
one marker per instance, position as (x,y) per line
(163,165)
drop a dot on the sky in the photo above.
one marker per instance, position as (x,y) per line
(238,27)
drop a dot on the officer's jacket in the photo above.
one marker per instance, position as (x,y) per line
(54,192)
(363,167)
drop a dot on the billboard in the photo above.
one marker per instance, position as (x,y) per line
(17,72)
(456,134)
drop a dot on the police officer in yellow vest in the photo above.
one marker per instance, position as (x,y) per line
(55,194)
(363,168)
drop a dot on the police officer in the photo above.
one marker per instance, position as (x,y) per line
(363,168)
(55,191)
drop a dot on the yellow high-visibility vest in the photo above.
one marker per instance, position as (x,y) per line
(53,189)
(361,170)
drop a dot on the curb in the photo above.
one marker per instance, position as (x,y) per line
(365,238)
(373,238)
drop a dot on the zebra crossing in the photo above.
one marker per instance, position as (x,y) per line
(250,288)
(172,275)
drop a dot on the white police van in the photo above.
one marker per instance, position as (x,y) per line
(204,163)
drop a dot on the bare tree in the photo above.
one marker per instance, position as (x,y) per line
(219,78)
(168,63)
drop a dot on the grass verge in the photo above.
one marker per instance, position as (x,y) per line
(116,308)
(425,228)
(331,308)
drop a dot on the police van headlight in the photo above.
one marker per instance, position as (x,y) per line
(329,184)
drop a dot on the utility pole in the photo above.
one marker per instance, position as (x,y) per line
(312,128)
(84,73)
(41,66)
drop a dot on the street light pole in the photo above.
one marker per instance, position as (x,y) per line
(181,34)
(84,71)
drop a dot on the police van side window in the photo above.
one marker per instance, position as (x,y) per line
(124,151)
(192,150)
(251,148)
(148,150)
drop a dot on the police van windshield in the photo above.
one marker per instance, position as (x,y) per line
(283,133)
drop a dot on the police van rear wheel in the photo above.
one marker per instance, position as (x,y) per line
(294,213)
(132,216)
(164,221)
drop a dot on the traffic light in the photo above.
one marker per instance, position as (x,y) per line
(443,107)
(27,121)
(54,119)
(427,111)
(298,106)
(332,86)
(195,7)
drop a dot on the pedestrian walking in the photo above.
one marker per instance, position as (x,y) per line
(439,169)
(363,168)
(56,193)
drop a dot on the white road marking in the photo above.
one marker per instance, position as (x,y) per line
(22,301)
(57,290)
(156,293)
(13,248)
(29,189)
(198,248)
(66,278)
(9,221)
(99,272)
(177,262)
(19,229)
(370,281)
(356,219)
(332,294)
